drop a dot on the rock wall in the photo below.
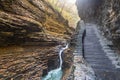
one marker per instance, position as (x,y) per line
(104,12)
(29,21)
(31,34)
(109,17)
(26,62)
(87,9)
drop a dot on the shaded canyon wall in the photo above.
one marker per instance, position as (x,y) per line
(106,13)
(87,9)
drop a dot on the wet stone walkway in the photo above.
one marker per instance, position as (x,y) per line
(82,70)
(103,63)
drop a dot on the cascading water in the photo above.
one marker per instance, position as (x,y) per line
(57,73)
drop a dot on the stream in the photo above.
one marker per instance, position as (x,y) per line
(57,73)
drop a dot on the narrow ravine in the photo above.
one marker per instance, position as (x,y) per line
(57,73)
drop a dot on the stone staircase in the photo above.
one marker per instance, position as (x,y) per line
(82,70)
(97,57)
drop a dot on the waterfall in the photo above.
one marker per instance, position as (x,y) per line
(57,73)
(60,55)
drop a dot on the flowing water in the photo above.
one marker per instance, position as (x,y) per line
(57,73)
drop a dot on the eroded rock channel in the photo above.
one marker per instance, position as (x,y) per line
(31,32)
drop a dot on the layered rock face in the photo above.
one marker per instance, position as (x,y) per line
(106,13)
(26,62)
(23,21)
(31,34)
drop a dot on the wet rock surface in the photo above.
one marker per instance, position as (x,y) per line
(29,62)
(97,54)
(100,61)
(25,62)
(80,70)
(31,34)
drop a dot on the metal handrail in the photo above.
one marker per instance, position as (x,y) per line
(83,47)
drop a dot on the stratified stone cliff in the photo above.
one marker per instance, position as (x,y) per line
(31,34)
(29,21)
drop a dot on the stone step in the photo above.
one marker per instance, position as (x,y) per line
(100,63)
(108,68)
(107,75)
(92,48)
(98,60)
(96,57)
(97,51)
(95,54)
(104,70)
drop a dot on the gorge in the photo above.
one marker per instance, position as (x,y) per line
(31,32)
(34,39)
